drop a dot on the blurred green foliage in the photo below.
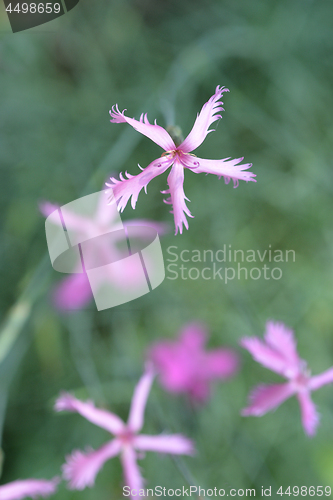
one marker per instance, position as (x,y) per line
(56,144)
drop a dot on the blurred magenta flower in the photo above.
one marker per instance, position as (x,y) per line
(278,353)
(28,488)
(74,291)
(178,155)
(81,469)
(186,367)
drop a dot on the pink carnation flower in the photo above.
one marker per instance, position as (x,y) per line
(178,155)
(81,468)
(74,291)
(278,353)
(28,488)
(186,367)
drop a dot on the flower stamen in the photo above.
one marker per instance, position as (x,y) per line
(166,153)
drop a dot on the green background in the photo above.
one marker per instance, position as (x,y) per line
(57,144)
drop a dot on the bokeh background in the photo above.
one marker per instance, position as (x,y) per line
(57,86)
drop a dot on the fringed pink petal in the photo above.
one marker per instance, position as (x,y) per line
(267,397)
(193,336)
(132,475)
(102,418)
(28,488)
(77,223)
(281,339)
(221,363)
(322,379)
(73,292)
(46,208)
(173,365)
(72,221)
(123,189)
(175,444)
(105,215)
(81,469)
(156,133)
(265,355)
(139,400)
(309,414)
(184,366)
(177,197)
(207,116)
(227,168)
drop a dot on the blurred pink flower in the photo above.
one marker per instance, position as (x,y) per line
(186,367)
(81,468)
(74,291)
(278,353)
(28,488)
(178,155)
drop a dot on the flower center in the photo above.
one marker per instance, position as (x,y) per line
(126,437)
(301,380)
(176,152)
